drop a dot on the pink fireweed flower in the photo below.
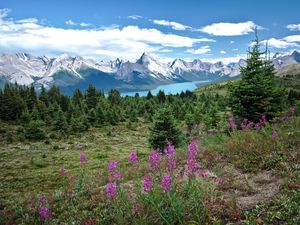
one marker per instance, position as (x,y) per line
(133,158)
(263,120)
(171,163)
(219,180)
(148,183)
(166,183)
(114,176)
(246,124)
(154,160)
(112,165)
(257,126)
(192,165)
(111,190)
(292,109)
(275,134)
(193,149)
(62,170)
(169,150)
(232,123)
(82,158)
(202,173)
(218,157)
(72,178)
(42,199)
(44,213)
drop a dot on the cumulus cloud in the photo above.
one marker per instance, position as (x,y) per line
(134,17)
(230,29)
(232,42)
(128,42)
(72,23)
(225,60)
(283,43)
(200,51)
(173,25)
(292,38)
(223,52)
(293,27)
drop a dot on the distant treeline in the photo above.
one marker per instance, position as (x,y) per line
(69,114)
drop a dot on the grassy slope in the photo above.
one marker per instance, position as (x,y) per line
(250,162)
(36,170)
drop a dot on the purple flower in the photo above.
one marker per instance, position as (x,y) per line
(133,158)
(154,160)
(218,157)
(232,123)
(292,109)
(44,213)
(82,158)
(72,178)
(202,173)
(192,165)
(112,165)
(263,120)
(114,176)
(219,180)
(171,163)
(42,199)
(166,183)
(193,149)
(246,124)
(111,190)
(257,126)
(275,134)
(169,150)
(148,183)
(62,170)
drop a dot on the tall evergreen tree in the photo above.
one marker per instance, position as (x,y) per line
(256,93)
(163,129)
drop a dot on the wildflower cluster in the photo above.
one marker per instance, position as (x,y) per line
(171,161)
(133,158)
(154,160)
(192,163)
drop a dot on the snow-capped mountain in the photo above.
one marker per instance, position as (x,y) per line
(66,71)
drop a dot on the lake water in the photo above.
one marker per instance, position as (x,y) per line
(174,89)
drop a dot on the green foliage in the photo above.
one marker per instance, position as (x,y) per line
(35,130)
(256,93)
(164,129)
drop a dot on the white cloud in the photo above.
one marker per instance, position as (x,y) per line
(235,49)
(223,52)
(83,24)
(173,25)
(280,43)
(4,13)
(165,50)
(225,60)
(128,42)
(72,23)
(199,51)
(134,17)
(230,29)
(28,20)
(292,38)
(293,27)
(232,42)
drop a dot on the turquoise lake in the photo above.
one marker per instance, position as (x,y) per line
(176,88)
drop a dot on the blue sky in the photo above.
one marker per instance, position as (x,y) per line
(209,30)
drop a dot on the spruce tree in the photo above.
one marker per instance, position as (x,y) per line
(163,129)
(256,93)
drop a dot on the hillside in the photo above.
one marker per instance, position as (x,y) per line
(244,176)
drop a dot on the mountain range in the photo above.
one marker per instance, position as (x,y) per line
(145,73)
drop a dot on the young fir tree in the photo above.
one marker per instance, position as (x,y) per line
(163,129)
(256,93)
(60,122)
